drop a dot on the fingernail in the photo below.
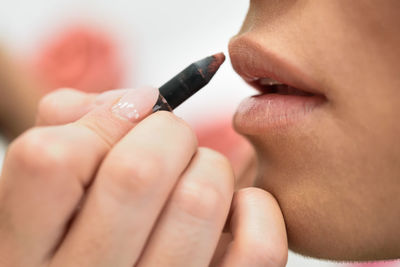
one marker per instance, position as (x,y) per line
(136,104)
(109,96)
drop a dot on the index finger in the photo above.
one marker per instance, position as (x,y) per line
(48,169)
(67,105)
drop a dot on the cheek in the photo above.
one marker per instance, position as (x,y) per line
(327,180)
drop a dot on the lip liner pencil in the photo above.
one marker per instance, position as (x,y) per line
(188,82)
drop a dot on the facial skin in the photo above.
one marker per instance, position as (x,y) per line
(336,171)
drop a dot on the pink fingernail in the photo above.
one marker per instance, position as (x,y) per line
(109,96)
(136,104)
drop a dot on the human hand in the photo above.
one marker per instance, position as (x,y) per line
(95,189)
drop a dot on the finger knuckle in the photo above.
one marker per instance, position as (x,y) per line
(182,128)
(48,104)
(187,131)
(205,194)
(199,199)
(218,160)
(135,175)
(38,151)
(218,166)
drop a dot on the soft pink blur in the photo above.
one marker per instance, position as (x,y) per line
(79,57)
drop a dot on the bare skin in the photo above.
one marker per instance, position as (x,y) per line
(335,172)
(92,196)
(88,188)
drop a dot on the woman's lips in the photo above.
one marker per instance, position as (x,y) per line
(287,93)
(273,111)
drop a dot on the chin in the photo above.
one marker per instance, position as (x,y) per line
(330,208)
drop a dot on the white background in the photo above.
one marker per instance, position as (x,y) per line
(159,38)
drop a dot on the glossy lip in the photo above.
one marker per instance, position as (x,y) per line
(271,111)
(267,113)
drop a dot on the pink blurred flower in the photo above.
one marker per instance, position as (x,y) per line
(79,57)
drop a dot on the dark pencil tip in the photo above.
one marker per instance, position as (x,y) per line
(190,80)
(220,57)
(218,60)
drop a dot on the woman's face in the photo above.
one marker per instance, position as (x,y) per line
(330,153)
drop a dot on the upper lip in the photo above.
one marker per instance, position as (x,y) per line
(252,61)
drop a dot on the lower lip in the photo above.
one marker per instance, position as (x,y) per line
(273,111)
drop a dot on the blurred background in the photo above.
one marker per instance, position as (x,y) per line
(97,45)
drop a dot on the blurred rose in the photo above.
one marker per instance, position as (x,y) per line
(79,57)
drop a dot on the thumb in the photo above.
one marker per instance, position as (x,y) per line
(258,231)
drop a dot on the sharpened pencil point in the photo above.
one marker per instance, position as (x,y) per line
(188,82)
(220,58)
